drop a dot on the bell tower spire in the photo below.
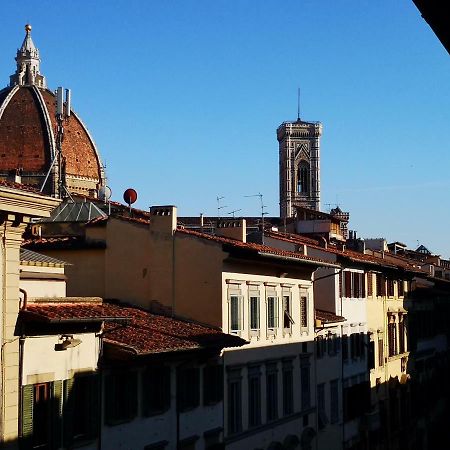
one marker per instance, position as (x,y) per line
(28,61)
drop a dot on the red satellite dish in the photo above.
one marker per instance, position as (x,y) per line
(130,196)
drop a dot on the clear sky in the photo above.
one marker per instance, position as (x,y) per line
(184,97)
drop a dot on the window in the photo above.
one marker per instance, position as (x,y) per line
(234,402)
(156,390)
(188,384)
(321,411)
(212,384)
(356,398)
(80,408)
(371,355)
(254,313)
(305,383)
(57,414)
(254,396)
(401,333)
(303,311)
(120,397)
(41,415)
(288,388)
(303,177)
(345,347)
(235,313)
(356,284)
(320,346)
(362,345)
(392,335)
(334,401)
(400,286)
(381,285)
(272,312)
(380,352)
(348,284)
(369,284)
(390,288)
(287,318)
(272,391)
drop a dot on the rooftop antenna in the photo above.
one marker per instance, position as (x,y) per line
(234,211)
(298,104)
(263,213)
(59,161)
(219,206)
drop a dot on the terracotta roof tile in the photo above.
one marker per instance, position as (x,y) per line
(140,332)
(62,242)
(257,248)
(328,316)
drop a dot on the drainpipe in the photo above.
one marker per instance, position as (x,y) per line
(22,307)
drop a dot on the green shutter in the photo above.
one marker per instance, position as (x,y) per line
(56,413)
(27,417)
(68,411)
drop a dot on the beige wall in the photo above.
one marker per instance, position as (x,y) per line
(17,206)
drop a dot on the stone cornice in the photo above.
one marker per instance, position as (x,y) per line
(26,203)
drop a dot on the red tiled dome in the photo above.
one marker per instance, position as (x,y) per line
(28,129)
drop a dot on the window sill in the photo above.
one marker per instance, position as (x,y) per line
(397,356)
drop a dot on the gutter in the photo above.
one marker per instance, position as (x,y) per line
(297,260)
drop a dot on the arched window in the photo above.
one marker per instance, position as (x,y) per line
(303,177)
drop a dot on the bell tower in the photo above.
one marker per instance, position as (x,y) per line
(299,159)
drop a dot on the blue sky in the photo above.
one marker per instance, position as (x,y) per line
(184,97)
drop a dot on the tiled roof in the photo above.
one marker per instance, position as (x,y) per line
(28,256)
(140,333)
(294,238)
(328,316)
(388,261)
(20,186)
(257,248)
(62,242)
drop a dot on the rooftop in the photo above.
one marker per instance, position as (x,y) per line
(133,330)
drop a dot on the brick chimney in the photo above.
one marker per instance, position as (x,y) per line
(233,229)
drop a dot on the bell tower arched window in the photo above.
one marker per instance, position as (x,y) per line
(303,178)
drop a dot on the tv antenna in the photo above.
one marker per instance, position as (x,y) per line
(219,206)
(63,110)
(263,213)
(298,104)
(234,211)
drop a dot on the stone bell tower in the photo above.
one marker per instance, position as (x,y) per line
(299,159)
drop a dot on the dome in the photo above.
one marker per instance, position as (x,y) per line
(29,134)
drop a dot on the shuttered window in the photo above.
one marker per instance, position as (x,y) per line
(81,408)
(188,382)
(348,284)
(369,284)
(120,397)
(156,390)
(41,415)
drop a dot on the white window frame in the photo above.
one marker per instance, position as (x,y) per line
(276,319)
(239,329)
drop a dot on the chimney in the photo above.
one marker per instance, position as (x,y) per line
(15,176)
(163,218)
(233,229)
